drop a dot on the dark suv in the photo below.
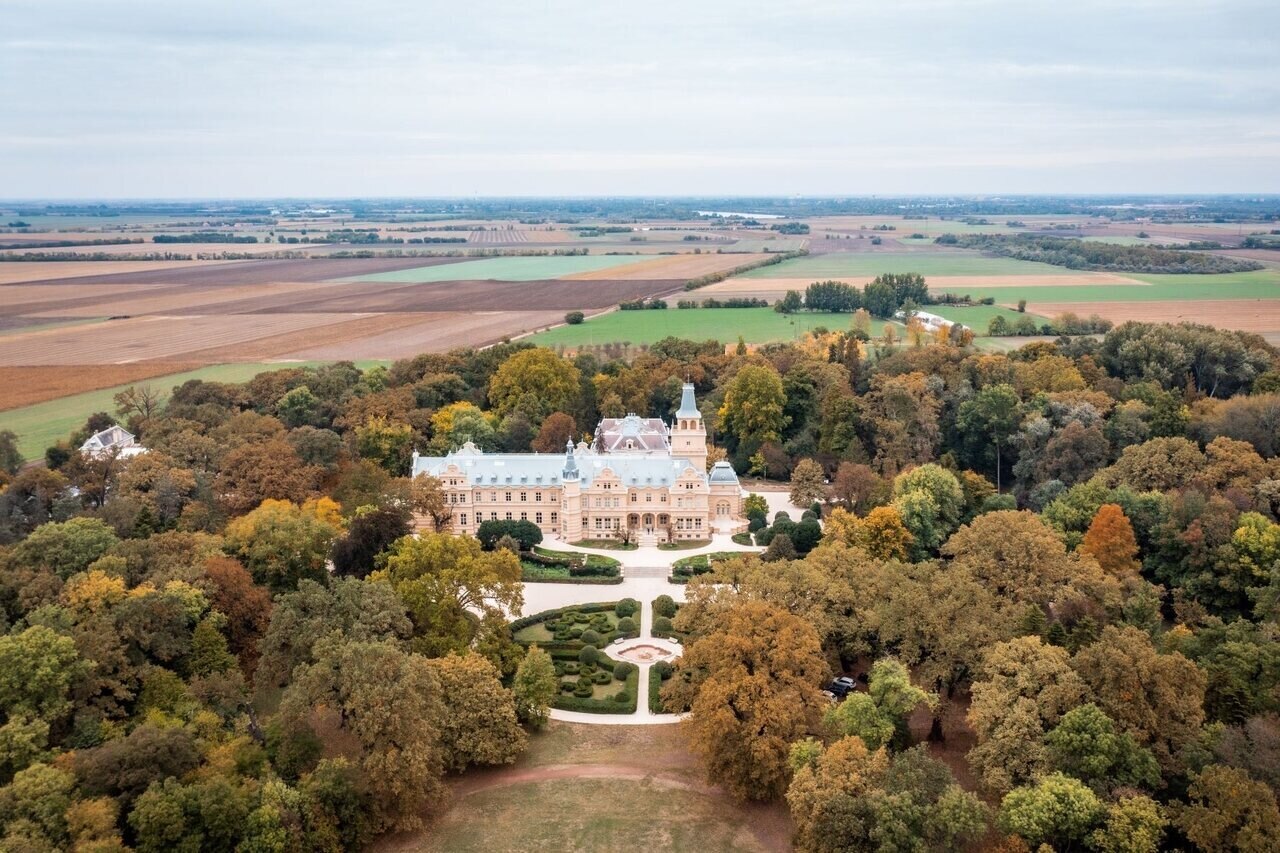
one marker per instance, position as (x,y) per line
(842,687)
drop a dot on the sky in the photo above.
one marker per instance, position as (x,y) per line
(197,99)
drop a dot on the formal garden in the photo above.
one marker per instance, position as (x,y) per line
(684,569)
(575,636)
(542,565)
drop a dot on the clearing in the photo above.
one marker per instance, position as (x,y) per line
(586,788)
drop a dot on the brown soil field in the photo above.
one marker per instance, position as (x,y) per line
(433,333)
(168,299)
(148,246)
(147,338)
(485,295)
(25,386)
(54,271)
(1264,255)
(224,273)
(344,332)
(35,298)
(669,266)
(1246,315)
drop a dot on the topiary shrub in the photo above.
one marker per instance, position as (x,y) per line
(662,625)
(576,632)
(590,637)
(621,696)
(664,605)
(627,607)
(626,625)
(584,689)
(621,670)
(571,667)
(567,686)
(589,654)
(559,668)
(664,669)
(603,677)
(587,669)
(757,523)
(816,508)
(809,515)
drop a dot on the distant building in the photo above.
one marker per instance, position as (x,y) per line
(114,440)
(639,478)
(931,322)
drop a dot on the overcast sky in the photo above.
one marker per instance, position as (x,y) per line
(189,98)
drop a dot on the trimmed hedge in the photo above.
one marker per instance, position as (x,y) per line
(658,673)
(612,705)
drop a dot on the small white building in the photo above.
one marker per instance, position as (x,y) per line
(112,441)
(931,322)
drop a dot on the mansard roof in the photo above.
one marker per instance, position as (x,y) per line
(547,469)
(613,434)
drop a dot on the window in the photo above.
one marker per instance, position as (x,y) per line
(634,496)
(524,516)
(493,516)
(697,522)
(599,522)
(648,499)
(537,518)
(508,516)
(462,519)
(508,499)
(524,497)
(664,497)
(537,497)
(553,517)
(493,496)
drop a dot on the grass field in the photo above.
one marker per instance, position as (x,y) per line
(976,317)
(1257,284)
(41,425)
(505,269)
(838,264)
(755,325)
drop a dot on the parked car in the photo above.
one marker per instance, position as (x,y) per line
(842,687)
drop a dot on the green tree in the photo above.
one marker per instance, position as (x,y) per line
(535,382)
(479,723)
(753,406)
(64,548)
(879,716)
(10,458)
(1057,810)
(1133,825)
(986,423)
(298,407)
(1086,745)
(1228,811)
(535,688)
(38,667)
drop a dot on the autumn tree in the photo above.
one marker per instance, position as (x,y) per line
(259,471)
(1022,688)
(929,501)
(387,443)
(751,684)
(1057,810)
(557,429)
(808,483)
(388,703)
(1228,812)
(1016,554)
(64,548)
(479,724)
(753,406)
(282,543)
(1111,541)
(536,382)
(430,501)
(879,716)
(445,581)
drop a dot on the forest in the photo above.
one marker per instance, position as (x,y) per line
(1079,254)
(1064,559)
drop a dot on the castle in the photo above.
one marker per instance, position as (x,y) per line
(639,479)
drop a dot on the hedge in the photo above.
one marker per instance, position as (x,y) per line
(575,644)
(604,706)
(655,687)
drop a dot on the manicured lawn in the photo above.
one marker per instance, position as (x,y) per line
(837,264)
(41,425)
(755,325)
(507,269)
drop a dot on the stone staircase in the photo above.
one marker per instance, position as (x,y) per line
(647,539)
(646,571)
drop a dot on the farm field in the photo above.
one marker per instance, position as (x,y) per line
(671,266)
(1260,316)
(41,425)
(977,317)
(833,265)
(755,325)
(504,269)
(1257,284)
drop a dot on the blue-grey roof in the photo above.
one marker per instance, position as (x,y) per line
(688,406)
(547,469)
(722,472)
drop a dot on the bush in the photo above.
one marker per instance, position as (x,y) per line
(816,508)
(780,515)
(664,669)
(524,532)
(584,688)
(665,605)
(590,637)
(576,632)
(603,677)
(757,523)
(573,318)
(588,654)
(622,669)
(567,686)
(809,515)
(626,625)
(621,696)
(662,625)
(571,667)
(627,607)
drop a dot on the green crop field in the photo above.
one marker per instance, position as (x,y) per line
(1257,284)
(42,424)
(956,262)
(976,317)
(530,268)
(755,325)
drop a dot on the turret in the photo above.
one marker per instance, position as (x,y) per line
(570,462)
(688,434)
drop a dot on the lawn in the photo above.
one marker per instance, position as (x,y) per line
(976,317)
(531,268)
(41,425)
(954,262)
(583,787)
(755,325)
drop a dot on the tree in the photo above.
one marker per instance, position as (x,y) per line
(1086,745)
(37,670)
(247,607)
(124,767)
(535,381)
(1111,541)
(987,422)
(1133,825)
(753,406)
(156,482)
(879,716)
(1057,810)
(1023,687)
(10,457)
(64,548)
(139,401)
(389,703)
(859,488)
(1156,698)
(780,548)
(751,686)
(387,443)
(208,814)
(929,501)
(33,807)
(1228,811)
(555,431)
(445,581)
(429,500)
(808,483)
(535,688)
(298,407)
(479,724)
(1016,554)
(259,471)
(370,532)
(282,543)
(573,318)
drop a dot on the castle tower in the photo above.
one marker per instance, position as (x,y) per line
(571,497)
(688,433)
